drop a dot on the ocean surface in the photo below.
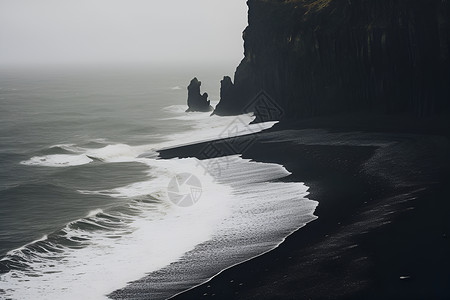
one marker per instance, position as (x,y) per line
(88,211)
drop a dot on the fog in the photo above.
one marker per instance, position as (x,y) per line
(121,31)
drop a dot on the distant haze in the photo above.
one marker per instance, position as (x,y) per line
(121,31)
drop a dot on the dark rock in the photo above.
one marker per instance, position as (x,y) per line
(197,101)
(328,57)
(227,95)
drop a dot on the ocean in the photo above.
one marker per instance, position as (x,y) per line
(87,208)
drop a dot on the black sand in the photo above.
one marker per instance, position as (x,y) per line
(383,225)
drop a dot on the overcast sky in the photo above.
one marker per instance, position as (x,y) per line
(121,31)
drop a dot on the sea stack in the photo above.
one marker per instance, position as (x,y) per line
(227,97)
(197,101)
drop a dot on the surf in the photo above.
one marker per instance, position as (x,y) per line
(141,221)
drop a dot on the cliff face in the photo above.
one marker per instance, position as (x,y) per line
(327,57)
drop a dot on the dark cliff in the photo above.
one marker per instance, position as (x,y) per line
(326,57)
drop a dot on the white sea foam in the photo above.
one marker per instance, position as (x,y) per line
(241,214)
(158,233)
(116,153)
(58,160)
(240,210)
(208,128)
(109,153)
(203,128)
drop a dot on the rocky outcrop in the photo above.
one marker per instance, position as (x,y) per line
(327,57)
(197,101)
(227,95)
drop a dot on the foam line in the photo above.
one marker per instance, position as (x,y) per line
(241,213)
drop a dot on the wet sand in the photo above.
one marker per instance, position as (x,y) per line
(383,223)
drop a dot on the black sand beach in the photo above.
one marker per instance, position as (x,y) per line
(383,226)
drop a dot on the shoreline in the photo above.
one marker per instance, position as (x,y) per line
(349,214)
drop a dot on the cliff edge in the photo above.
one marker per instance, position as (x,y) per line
(326,57)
